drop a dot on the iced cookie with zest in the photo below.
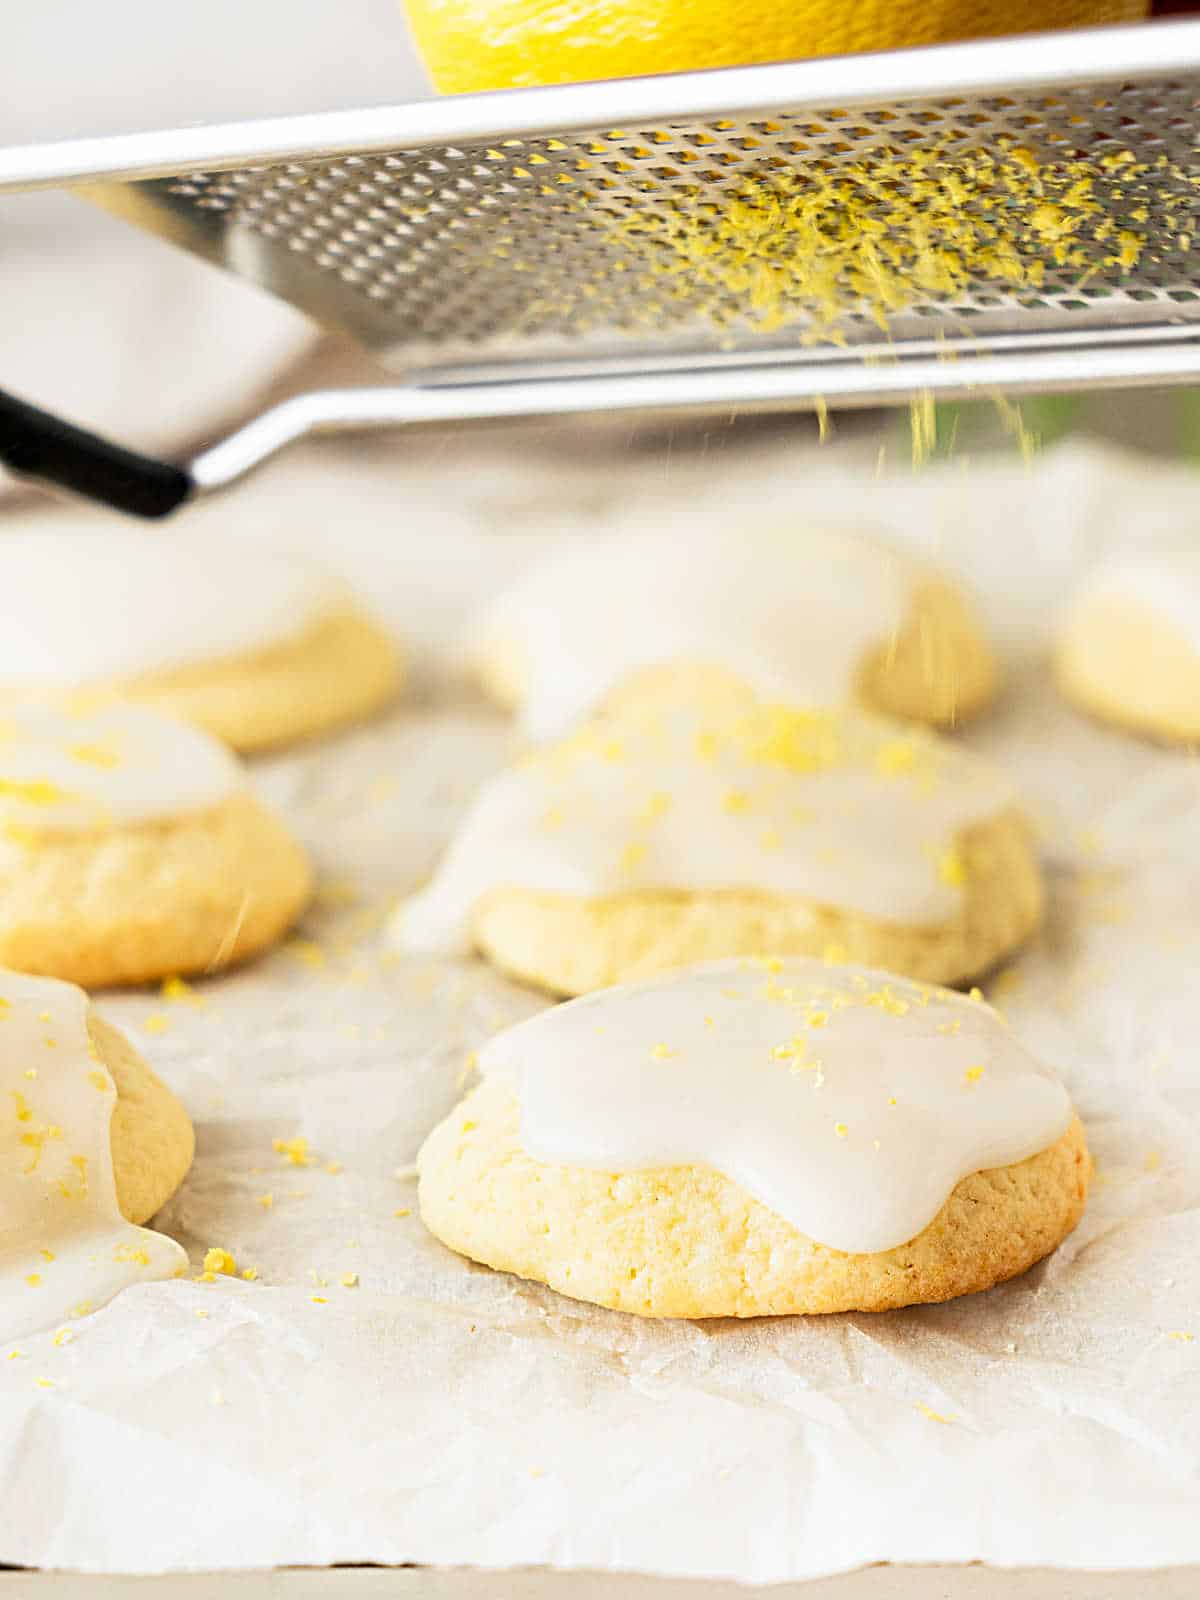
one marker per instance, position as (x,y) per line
(251,643)
(751,1138)
(91,1146)
(131,848)
(816,616)
(725,825)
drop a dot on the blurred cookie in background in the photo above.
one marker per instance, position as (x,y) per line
(254,644)
(1129,651)
(813,615)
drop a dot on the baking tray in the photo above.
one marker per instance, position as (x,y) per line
(410,1583)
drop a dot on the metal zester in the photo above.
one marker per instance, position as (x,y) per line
(1015,215)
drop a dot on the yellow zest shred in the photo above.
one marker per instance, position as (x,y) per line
(952,869)
(32,792)
(293,1150)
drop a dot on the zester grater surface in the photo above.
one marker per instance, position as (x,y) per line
(531,246)
(1043,209)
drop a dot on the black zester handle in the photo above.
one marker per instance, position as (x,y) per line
(35,444)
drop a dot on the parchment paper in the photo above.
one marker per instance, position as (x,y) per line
(371,1397)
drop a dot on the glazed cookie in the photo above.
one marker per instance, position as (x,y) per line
(92,1145)
(748,1139)
(130,848)
(726,826)
(816,617)
(251,644)
(1130,646)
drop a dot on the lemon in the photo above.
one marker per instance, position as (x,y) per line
(504,44)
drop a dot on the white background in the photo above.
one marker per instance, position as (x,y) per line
(105,324)
(72,67)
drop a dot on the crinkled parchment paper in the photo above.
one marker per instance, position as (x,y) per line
(371,1397)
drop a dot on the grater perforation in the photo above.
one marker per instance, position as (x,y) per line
(514,248)
(1007,215)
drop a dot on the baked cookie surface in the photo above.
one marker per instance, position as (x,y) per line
(694,828)
(753,1139)
(253,645)
(130,849)
(811,616)
(93,1145)
(1129,651)
(153,1141)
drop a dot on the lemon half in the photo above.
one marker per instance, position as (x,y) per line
(473,45)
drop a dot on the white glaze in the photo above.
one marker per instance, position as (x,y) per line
(712,799)
(65,1248)
(848,1101)
(794,612)
(1164,581)
(89,603)
(62,770)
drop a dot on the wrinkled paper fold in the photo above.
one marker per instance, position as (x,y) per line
(371,1397)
